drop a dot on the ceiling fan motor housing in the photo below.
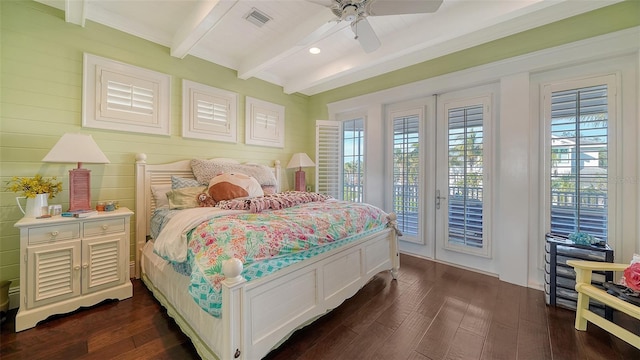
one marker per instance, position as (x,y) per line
(349,12)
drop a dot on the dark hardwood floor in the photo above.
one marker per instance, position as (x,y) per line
(433,311)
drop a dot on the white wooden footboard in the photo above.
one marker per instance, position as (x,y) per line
(260,314)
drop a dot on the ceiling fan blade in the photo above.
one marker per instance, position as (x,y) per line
(325,3)
(365,35)
(400,7)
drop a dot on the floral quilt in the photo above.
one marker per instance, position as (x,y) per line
(271,240)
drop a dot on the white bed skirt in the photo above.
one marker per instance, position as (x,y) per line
(169,287)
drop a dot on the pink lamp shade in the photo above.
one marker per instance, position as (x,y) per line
(77,148)
(300,160)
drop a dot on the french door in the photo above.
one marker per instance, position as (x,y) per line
(463,187)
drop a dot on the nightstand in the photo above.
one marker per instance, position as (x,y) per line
(69,262)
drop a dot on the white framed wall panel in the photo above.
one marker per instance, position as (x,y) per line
(264,123)
(209,113)
(123,97)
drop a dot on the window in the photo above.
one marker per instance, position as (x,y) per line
(340,158)
(208,113)
(406,170)
(577,118)
(124,97)
(466,176)
(264,123)
(353,160)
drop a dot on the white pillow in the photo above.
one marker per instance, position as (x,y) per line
(159,193)
(205,170)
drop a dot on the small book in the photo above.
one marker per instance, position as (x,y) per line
(80,213)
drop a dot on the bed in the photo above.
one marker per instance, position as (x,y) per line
(256,315)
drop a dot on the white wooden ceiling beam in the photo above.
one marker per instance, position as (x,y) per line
(75,11)
(204,18)
(308,32)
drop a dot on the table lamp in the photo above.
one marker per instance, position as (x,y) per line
(300,160)
(77,148)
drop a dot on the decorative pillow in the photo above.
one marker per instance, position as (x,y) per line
(274,201)
(232,186)
(184,198)
(180,182)
(159,193)
(205,170)
(269,189)
(631,275)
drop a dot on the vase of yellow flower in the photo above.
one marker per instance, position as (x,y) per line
(36,190)
(35,206)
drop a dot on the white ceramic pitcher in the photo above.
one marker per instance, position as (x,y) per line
(35,207)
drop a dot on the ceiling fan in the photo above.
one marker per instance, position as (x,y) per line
(356,12)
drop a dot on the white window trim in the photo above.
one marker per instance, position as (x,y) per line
(94,115)
(191,128)
(346,116)
(458,100)
(408,108)
(612,80)
(254,135)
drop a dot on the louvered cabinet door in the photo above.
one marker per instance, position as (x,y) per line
(103,263)
(54,272)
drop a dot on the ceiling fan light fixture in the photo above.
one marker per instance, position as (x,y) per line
(349,13)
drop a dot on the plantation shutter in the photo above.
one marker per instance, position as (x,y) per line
(128,97)
(579,161)
(466,169)
(406,171)
(328,155)
(212,113)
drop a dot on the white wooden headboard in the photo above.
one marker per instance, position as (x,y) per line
(148,175)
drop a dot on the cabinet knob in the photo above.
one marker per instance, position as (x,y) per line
(105,227)
(54,234)
(76,268)
(85,265)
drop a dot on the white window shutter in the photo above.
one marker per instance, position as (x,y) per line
(128,97)
(264,123)
(580,161)
(123,97)
(406,170)
(208,113)
(212,113)
(328,155)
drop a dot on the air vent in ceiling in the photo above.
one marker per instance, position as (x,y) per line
(257,17)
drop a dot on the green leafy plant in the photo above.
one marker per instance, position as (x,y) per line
(30,187)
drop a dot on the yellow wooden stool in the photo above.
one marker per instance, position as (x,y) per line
(586,291)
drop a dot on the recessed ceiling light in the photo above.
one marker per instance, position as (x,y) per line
(314,50)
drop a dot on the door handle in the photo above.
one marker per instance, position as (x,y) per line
(438,198)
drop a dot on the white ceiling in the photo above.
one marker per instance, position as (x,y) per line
(216,31)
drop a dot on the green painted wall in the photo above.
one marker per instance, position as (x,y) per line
(612,18)
(41,89)
(41,99)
